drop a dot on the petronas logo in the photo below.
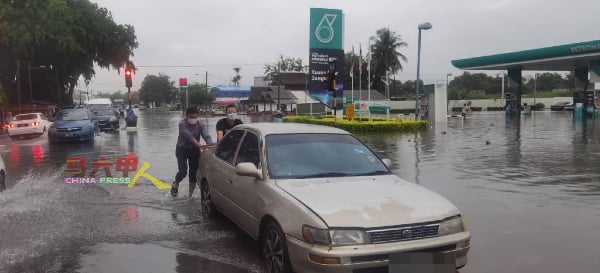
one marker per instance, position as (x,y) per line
(324,31)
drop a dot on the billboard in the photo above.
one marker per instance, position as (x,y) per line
(326,45)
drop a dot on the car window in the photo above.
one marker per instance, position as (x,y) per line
(71,115)
(320,155)
(249,150)
(26,117)
(103,112)
(228,146)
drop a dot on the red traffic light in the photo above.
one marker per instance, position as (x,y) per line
(128,81)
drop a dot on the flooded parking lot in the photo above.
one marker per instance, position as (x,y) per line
(528,186)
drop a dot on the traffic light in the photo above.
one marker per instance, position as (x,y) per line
(128,73)
(330,81)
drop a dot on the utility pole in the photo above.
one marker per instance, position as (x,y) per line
(206,81)
(19,84)
(30,86)
(535,89)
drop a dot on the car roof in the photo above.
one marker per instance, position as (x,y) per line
(99,101)
(269,128)
(74,109)
(28,114)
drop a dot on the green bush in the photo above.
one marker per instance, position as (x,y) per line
(538,106)
(377,125)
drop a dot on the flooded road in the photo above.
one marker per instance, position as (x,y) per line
(529,188)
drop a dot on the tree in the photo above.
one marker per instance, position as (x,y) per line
(468,82)
(199,95)
(61,40)
(158,89)
(284,64)
(386,57)
(237,78)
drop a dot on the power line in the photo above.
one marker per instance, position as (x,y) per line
(198,66)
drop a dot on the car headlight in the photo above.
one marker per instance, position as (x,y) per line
(112,119)
(342,237)
(315,235)
(451,226)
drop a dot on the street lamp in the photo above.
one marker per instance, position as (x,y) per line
(423,26)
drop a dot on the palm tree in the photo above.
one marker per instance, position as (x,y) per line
(385,55)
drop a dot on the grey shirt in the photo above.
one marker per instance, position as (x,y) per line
(188,132)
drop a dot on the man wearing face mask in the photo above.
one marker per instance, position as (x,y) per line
(225,124)
(188,148)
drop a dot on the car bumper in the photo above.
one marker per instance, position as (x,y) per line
(25,130)
(108,125)
(373,257)
(76,136)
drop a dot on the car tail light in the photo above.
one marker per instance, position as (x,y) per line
(35,123)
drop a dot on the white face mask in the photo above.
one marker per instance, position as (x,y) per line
(192,121)
(232,116)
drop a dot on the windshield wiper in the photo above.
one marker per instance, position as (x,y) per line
(327,174)
(378,172)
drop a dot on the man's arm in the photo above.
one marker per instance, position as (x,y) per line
(220,130)
(205,135)
(187,134)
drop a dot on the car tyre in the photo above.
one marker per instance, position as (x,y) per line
(2,181)
(274,252)
(206,205)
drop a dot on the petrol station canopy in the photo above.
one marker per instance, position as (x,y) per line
(566,57)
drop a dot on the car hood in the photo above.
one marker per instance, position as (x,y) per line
(71,123)
(369,201)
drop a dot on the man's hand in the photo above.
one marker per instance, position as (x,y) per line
(205,147)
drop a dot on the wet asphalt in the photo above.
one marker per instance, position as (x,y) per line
(528,186)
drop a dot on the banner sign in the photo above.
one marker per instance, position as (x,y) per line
(326,45)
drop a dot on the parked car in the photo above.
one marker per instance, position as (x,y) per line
(32,124)
(318,200)
(107,118)
(74,124)
(559,106)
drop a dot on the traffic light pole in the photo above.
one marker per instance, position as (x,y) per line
(129,96)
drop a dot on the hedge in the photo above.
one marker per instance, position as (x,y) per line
(377,125)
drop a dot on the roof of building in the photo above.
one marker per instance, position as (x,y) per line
(364,94)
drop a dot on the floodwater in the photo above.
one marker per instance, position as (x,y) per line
(529,187)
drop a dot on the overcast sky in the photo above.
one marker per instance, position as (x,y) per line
(221,34)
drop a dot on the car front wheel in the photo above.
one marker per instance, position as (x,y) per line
(208,209)
(274,250)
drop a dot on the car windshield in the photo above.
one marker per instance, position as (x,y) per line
(103,112)
(72,115)
(320,155)
(26,117)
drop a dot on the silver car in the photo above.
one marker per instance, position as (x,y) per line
(318,200)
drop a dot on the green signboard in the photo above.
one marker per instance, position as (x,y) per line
(326,28)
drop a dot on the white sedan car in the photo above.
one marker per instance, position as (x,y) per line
(318,200)
(28,124)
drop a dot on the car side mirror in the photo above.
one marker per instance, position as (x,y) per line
(248,169)
(387,162)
